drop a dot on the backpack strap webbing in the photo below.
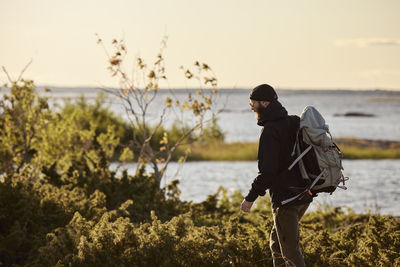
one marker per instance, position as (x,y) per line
(302,168)
(300,157)
(306,191)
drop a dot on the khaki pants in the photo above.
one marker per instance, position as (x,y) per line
(284,239)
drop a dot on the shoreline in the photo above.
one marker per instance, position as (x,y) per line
(352,148)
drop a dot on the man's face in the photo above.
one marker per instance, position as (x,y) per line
(258,106)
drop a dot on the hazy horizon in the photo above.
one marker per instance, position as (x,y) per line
(56,87)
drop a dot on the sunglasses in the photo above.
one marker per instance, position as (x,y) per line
(252,102)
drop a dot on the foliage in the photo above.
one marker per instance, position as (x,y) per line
(87,114)
(61,205)
(48,225)
(137,93)
(99,114)
(350,239)
(22,115)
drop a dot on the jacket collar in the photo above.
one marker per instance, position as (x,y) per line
(274,111)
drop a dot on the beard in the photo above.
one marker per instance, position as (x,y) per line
(258,111)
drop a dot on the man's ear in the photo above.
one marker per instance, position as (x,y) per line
(265,103)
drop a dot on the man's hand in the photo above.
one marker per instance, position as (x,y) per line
(246,206)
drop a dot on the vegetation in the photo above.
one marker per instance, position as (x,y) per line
(99,114)
(220,151)
(137,93)
(369,149)
(351,148)
(61,205)
(354,152)
(122,224)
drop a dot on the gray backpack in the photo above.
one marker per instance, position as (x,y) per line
(319,158)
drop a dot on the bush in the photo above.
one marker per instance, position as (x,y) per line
(87,115)
(62,206)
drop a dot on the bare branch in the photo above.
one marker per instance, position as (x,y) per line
(23,70)
(139,93)
(7,74)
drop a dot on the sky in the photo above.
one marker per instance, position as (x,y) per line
(294,44)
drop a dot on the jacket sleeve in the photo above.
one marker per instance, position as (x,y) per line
(268,163)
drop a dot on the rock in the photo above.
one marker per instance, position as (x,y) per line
(354,114)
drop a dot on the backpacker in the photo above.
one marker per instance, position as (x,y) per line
(319,158)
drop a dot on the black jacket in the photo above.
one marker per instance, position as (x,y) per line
(274,157)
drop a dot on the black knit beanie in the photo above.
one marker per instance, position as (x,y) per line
(263,92)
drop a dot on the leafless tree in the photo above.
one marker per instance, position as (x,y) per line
(138,93)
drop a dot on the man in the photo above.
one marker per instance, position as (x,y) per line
(274,157)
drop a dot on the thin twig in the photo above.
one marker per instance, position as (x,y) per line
(7,74)
(23,70)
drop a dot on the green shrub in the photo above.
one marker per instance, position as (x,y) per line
(22,116)
(87,115)
(60,205)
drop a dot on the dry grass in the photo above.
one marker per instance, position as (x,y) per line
(224,152)
(352,148)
